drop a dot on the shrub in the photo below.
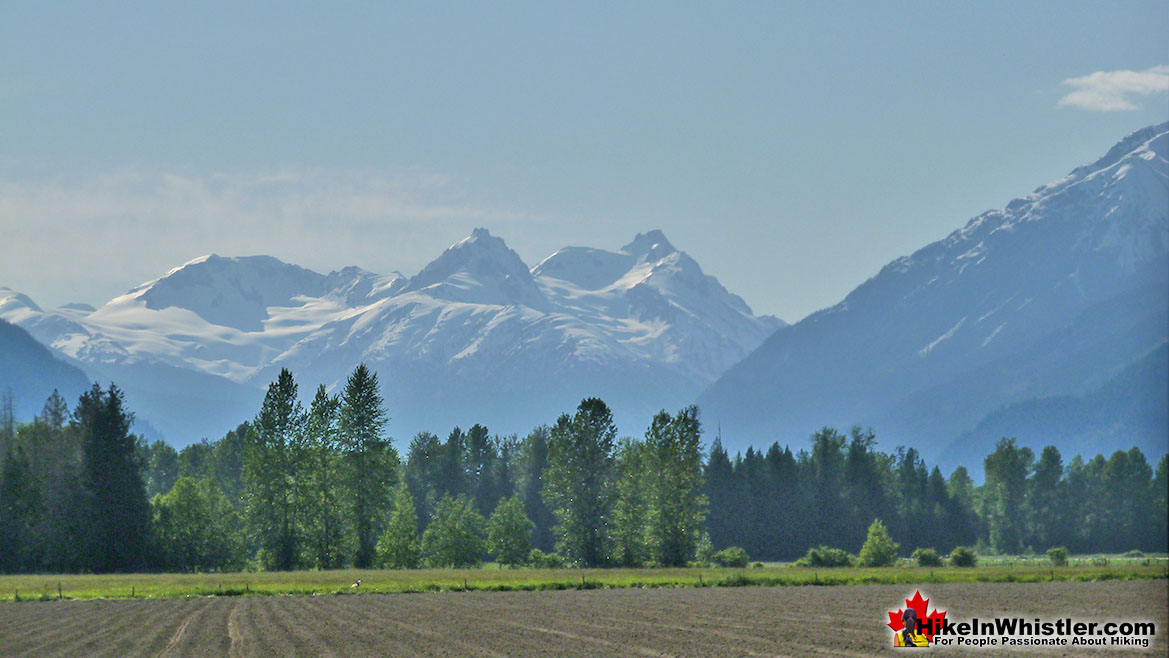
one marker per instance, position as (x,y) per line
(825,556)
(927,557)
(1058,556)
(541,560)
(963,556)
(731,556)
(879,550)
(1133,553)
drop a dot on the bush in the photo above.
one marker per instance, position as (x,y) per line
(927,557)
(731,556)
(1058,556)
(1133,553)
(963,556)
(879,550)
(541,560)
(825,556)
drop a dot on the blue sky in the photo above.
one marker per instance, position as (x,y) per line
(791,148)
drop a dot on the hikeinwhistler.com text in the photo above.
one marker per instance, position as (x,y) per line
(1019,632)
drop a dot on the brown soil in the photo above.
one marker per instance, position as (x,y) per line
(748,621)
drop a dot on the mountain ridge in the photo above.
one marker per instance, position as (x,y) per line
(989,292)
(475,315)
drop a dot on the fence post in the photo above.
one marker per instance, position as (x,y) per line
(58,590)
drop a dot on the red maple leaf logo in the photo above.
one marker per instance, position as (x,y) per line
(919,606)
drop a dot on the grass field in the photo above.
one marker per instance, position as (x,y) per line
(170,585)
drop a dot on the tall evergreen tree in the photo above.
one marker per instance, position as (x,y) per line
(370,459)
(116,513)
(423,474)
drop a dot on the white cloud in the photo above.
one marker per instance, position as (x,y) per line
(1112,91)
(88,238)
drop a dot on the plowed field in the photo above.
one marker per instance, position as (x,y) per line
(746,621)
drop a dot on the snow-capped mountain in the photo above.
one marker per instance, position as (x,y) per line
(475,336)
(1051,296)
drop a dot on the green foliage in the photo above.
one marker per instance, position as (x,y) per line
(162,468)
(538,559)
(1007,469)
(322,506)
(399,547)
(579,481)
(1058,556)
(455,538)
(675,506)
(963,556)
(115,515)
(704,551)
(627,523)
(825,556)
(879,549)
(371,463)
(272,473)
(731,556)
(197,528)
(509,532)
(927,557)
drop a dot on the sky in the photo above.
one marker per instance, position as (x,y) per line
(792,148)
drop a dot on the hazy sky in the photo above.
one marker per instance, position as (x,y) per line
(792,148)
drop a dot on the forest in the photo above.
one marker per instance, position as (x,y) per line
(323,487)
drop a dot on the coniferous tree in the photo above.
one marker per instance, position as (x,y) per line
(717,476)
(17,504)
(370,460)
(423,474)
(116,513)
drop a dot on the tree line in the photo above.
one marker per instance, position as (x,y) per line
(323,487)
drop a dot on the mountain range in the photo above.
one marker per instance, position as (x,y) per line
(1047,320)
(475,336)
(1053,297)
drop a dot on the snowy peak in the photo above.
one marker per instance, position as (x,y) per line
(16,305)
(230,292)
(650,246)
(585,267)
(479,269)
